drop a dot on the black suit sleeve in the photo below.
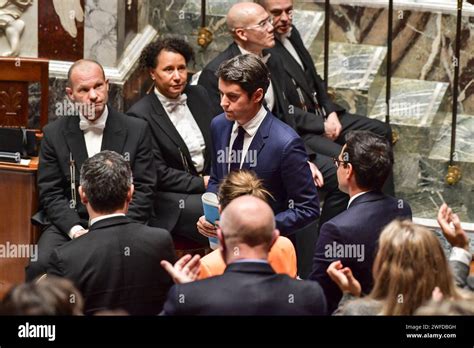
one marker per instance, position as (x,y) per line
(170,179)
(209,81)
(323,97)
(54,265)
(51,183)
(175,180)
(144,179)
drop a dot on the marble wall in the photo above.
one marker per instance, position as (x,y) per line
(100,31)
(423,44)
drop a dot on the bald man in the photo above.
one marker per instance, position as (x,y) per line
(85,128)
(249,286)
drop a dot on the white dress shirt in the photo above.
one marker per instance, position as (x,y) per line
(103,217)
(251,128)
(270,94)
(188,129)
(93,136)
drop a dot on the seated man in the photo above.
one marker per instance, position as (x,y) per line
(249,286)
(248,136)
(115,264)
(363,165)
(91,127)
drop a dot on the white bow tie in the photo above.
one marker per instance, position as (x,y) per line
(98,125)
(172,104)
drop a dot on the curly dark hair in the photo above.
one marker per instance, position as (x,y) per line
(148,57)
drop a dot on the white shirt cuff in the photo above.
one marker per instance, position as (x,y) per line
(74,229)
(461,255)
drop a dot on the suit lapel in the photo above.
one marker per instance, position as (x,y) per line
(115,133)
(292,67)
(203,123)
(298,44)
(76,143)
(162,119)
(258,141)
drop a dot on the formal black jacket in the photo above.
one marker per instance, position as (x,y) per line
(246,288)
(175,170)
(303,122)
(117,265)
(64,139)
(307,81)
(356,229)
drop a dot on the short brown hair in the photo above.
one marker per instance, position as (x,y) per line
(240,183)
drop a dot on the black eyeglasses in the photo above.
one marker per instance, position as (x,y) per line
(337,162)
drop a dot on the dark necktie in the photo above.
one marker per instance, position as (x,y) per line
(237,146)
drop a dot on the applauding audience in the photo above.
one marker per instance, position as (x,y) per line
(409,268)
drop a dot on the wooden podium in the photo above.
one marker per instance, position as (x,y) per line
(18,203)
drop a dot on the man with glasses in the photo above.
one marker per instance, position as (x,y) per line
(363,165)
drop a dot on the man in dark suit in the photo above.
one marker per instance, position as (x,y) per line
(91,126)
(116,264)
(249,286)
(362,167)
(179,116)
(306,89)
(248,136)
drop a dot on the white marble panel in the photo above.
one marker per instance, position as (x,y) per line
(100,32)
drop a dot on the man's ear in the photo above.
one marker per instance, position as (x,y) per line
(107,84)
(275,235)
(69,93)
(131,189)
(219,209)
(258,95)
(83,196)
(240,34)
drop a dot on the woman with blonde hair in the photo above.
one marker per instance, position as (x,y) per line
(282,256)
(409,265)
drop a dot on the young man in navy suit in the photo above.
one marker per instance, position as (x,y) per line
(363,165)
(248,136)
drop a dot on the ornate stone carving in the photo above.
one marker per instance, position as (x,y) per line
(69,11)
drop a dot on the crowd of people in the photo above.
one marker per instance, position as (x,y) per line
(259,130)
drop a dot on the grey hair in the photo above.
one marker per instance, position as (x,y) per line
(105,179)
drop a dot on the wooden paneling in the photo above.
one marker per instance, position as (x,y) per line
(18,202)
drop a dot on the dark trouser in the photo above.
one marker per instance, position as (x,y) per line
(189,208)
(50,239)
